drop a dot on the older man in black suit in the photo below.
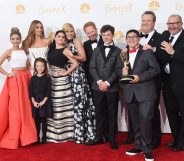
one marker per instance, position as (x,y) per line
(172,56)
(140,94)
(104,64)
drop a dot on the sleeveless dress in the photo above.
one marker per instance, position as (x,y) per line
(36,53)
(60,128)
(17,126)
(84,110)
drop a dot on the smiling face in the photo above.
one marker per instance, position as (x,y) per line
(15,40)
(107,37)
(60,39)
(38,30)
(147,23)
(91,32)
(132,40)
(40,67)
(70,33)
(174,24)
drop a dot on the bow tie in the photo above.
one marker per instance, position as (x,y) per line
(133,50)
(143,35)
(93,41)
(109,46)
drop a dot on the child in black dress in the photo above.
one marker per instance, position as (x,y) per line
(40,93)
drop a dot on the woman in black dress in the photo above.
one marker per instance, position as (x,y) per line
(61,126)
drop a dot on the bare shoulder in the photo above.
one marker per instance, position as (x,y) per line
(47,41)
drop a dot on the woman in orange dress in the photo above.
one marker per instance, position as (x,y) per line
(17,127)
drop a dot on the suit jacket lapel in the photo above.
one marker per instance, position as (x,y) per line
(110,53)
(137,57)
(103,53)
(179,38)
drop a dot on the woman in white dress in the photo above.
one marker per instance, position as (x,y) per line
(35,42)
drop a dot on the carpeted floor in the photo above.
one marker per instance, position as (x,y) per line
(78,152)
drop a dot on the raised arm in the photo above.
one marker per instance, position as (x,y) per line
(81,51)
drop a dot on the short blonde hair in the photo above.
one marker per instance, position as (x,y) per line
(66,27)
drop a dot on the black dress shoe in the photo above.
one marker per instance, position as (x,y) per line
(96,141)
(128,141)
(114,145)
(178,148)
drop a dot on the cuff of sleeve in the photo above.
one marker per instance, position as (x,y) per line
(172,53)
(98,81)
(107,83)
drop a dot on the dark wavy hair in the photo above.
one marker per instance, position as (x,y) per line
(53,45)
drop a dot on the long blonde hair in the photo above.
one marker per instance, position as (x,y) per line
(66,27)
(30,38)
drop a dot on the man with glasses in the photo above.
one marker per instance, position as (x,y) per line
(140,94)
(172,56)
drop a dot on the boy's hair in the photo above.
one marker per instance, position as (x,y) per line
(45,64)
(106,28)
(134,31)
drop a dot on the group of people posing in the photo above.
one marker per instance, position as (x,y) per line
(72,89)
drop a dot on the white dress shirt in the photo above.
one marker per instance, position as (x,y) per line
(167,66)
(94,45)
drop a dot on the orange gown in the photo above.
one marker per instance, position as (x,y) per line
(17,127)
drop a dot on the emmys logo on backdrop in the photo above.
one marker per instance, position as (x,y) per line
(85,8)
(112,8)
(52,10)
(20,9)
(154,5)
(179,5)
(118,35)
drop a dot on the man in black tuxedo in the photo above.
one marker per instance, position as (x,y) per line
(172,56)
(94,41)
(150,39)
(104,64)
(140,94)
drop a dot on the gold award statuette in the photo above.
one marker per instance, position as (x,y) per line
(125,78)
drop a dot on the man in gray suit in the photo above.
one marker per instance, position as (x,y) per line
(103,67)
(140,94)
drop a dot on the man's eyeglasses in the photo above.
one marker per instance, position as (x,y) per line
(172,23)
(131,37)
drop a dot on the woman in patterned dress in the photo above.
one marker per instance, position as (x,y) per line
(84,110)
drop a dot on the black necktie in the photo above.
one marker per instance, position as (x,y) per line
(93,41)
(143,35)
(171,39)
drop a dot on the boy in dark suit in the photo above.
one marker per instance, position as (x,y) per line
(104,64)
(140,94)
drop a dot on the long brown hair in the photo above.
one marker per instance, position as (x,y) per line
(30,38)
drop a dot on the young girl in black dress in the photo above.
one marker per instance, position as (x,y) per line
(40,93)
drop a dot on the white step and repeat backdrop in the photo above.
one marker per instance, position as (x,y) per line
(122,14)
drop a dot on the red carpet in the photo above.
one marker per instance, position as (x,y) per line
(75,152)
